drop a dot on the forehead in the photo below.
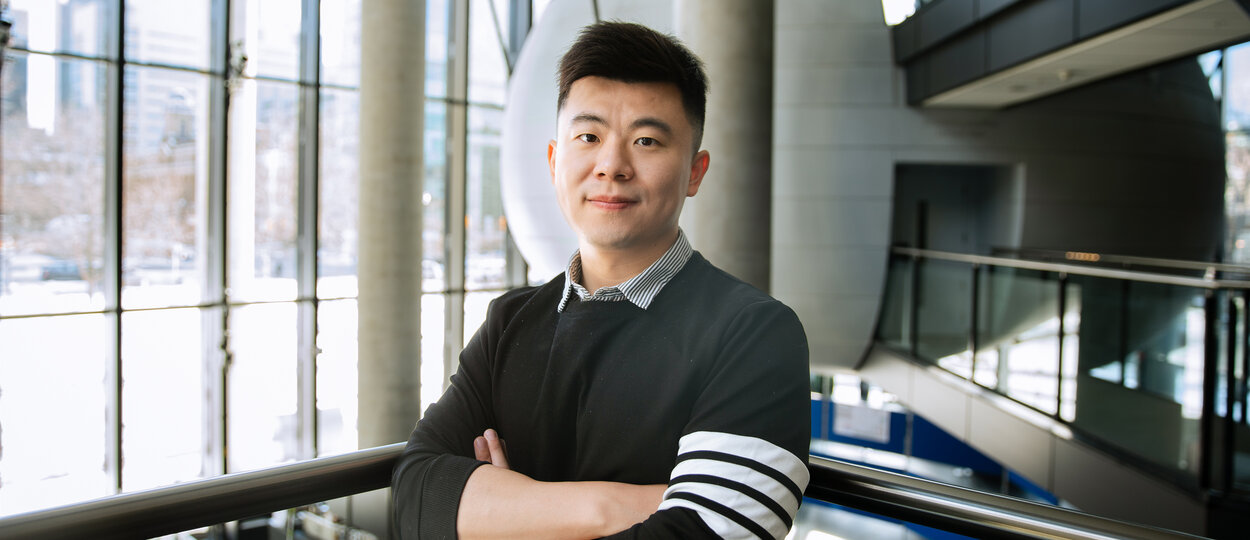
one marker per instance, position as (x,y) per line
(614,100)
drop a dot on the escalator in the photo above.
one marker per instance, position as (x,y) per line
(1120,391)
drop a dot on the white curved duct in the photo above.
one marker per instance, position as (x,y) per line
(529,200)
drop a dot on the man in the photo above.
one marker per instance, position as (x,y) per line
(643,393)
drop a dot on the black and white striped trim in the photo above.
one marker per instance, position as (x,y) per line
(640,289)
(742,487)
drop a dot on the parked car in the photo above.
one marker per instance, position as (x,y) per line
(60,271)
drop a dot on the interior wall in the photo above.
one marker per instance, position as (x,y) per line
(1132,165)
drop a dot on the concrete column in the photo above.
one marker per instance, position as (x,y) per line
(729,221)
(391,104)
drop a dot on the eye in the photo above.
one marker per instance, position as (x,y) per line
(647,141)
(588,137)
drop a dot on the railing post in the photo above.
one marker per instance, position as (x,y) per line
(913,312)
(1063,311)
(1210,357)
(972,324)
(1230,388)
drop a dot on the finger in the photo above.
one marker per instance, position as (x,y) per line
(498,457)
(480,451)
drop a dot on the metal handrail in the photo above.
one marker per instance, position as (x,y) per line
(1130,260)
(961,510)
(231,497)
(201,503)
(1075,270)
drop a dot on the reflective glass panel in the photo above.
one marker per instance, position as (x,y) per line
(52,196)
(486,229)
(165,187)
(339,183)
(340,42)
(336,377)
(1018,335)
(169,33)
(1139,382)
(434,217)
(163,398)
(895,326)
(53,404)
(488,71)
(1071,352)
(269,30)
(262,191)
(80,27)
(944,315)
(262,420)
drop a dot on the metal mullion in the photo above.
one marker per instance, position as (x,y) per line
(457,180)
(215,316)
(307,235)
(113,250)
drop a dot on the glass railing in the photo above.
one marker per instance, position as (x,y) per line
(1149,367)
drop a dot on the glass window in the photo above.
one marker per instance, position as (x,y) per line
(336,377)
(163,434)
(488,71)
(269,31)
(434,229)
(262,417)
(165,187)
(433,331)
(437,20)
(52,196)
(169,33)
(340,42)
(262,191)
(78,27)
(1237,88)
(53,417)
(486,228)
(339,183)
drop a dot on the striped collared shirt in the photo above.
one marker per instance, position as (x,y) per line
(640,289)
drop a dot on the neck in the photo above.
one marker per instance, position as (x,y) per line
(603,267)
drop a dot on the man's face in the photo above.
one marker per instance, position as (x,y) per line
(623,163)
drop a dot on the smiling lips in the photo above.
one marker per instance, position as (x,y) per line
(607,202)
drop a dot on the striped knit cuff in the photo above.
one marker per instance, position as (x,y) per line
(742,487)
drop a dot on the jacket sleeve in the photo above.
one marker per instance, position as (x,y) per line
(741,466)
(431,473)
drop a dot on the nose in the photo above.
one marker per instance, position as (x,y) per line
(613,163)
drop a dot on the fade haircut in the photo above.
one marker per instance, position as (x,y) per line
(633,53)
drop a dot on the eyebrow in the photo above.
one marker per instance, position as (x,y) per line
(646,121)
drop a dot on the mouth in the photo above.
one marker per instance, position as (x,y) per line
(607,202)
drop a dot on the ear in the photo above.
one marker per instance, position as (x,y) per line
(551,158)
(698,167)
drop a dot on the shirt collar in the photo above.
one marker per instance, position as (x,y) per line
(639,290)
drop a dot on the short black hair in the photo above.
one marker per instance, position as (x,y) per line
(630,52)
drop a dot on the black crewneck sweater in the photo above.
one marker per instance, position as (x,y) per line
(705,390)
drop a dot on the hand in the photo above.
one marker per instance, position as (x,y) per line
(490,448)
